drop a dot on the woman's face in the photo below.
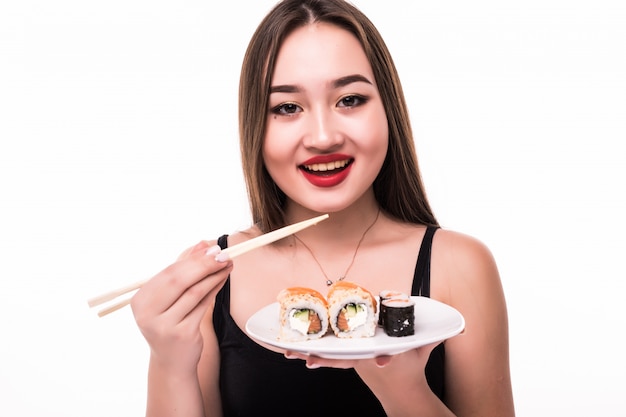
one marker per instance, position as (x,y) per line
(327,133)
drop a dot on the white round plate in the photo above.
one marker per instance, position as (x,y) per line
(434,322)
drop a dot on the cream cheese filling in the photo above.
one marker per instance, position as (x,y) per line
(298,324)
(359,319)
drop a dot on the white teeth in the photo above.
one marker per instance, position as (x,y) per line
(327,166)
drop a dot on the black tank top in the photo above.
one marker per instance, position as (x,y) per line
(255,381)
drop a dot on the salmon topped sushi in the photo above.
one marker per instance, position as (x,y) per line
(352,310)
(303,314)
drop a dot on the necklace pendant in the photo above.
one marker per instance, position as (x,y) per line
(329,282)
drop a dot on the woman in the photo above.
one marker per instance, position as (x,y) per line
(324,129)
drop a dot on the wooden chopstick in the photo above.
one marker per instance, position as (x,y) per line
(232,252)
(270,237)
(101,299)
(114,307)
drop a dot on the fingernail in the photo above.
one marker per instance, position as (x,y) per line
(312,365)
(213,250)
(222,257)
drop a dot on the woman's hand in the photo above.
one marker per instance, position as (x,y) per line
(385,373)
(418,356)
(169,308)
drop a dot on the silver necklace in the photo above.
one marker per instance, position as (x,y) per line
(358,245)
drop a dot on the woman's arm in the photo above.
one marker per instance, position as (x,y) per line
(478,381)
(171,394)
(169,310)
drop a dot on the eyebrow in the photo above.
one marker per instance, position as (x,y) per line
(349,79)
(338,83)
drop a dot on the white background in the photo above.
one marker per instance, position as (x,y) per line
(119,149)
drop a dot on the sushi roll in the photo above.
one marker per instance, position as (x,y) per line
(399,317)
(388,295)
(303,314)
(352,310)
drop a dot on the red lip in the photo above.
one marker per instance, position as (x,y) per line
(326,178)
(324,159)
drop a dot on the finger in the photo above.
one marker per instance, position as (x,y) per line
(194,317)
(314,362)
(382,361)
(162,291)
(201,246)
(191,300)
(206,248)
(289,354)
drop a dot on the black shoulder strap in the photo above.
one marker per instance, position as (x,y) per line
(222,241)
(421,279)
(223,295)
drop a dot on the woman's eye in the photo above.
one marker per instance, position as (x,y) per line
(351,101)
(286,109)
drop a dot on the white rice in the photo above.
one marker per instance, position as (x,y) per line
(343,297)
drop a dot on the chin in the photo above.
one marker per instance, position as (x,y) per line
(326,207)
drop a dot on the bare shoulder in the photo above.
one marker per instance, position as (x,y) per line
(462,263)
(459,247)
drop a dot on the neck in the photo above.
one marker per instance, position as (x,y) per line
(341,227)
(337,250)
(340,232)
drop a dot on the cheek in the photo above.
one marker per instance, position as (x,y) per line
(381,148)
(374,134)
(378,142)
(277,151)
(381,133)
(380,129)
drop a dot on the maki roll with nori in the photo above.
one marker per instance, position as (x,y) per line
(389,295)
(399,317)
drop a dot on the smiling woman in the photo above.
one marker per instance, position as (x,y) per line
(324,129)
(119,147)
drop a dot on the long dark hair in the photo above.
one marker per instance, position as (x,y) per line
(398,188)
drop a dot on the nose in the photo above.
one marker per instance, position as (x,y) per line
(323,130)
